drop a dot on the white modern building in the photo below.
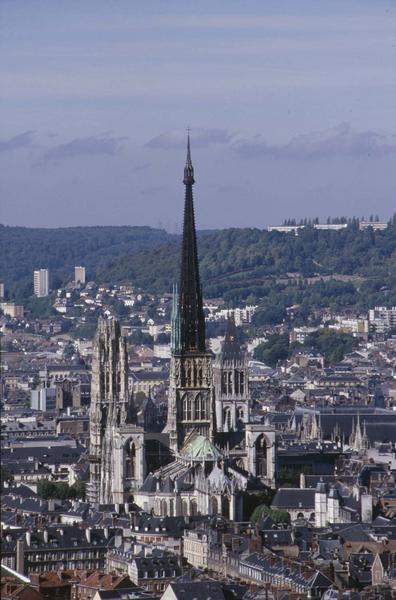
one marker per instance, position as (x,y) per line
(79,275)
(41,283)
(382,319)
(43,399)
(376,225)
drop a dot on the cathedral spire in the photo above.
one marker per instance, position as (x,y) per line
(192,321)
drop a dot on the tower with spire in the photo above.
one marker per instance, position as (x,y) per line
(191,398)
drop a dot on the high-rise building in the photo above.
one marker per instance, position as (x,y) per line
(41,283)
(79,275)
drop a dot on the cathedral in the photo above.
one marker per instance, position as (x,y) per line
(215,450)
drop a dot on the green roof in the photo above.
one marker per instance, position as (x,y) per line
(200,448)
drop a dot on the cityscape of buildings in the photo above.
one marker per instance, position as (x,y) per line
(152,459)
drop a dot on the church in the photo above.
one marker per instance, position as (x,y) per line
(216,453)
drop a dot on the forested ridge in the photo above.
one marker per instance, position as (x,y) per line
(25,249)
(240,265)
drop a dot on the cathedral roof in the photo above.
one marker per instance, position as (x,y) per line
(199,447)
(218,479)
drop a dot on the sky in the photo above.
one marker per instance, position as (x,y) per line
(291,107)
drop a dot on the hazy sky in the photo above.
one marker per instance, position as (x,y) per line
(291,105)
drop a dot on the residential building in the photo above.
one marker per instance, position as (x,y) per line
(376,225)
(79,275)
(10,309)
(41,283)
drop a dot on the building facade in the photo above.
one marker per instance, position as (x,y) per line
(41,283)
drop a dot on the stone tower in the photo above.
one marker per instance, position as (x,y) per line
(110,414)
(191,398)
(231,380)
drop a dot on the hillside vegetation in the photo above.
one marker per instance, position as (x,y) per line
(316,268)
(25,249)
(319,268)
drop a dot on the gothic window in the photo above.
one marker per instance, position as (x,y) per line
(241,382)
(215,506)
(184,508)
(197,408)
(236,382)
(185,404)
(227,419)
(229,382)
(130,461)
(224,383)
(240,418)
(189,408)
(171,508)
(225,507)
(203,407)
(261,456)
(164,511)
(193,508)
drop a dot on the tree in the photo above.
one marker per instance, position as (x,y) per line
(5,476)
(269,316)
(274,349)
(277,515)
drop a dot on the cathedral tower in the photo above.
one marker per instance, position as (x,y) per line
(231,377)
(191,400)
(110,418)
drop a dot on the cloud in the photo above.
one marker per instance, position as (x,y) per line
(339,141)
(18,141)
(85,146)
(201,138)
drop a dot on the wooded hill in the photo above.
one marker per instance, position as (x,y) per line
(316,268)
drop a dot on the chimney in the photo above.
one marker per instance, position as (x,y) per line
(117,508)
(20,556)
(28,536)
(147,551)
(45,535)
(302,480)
(117,540)
(106,532)
(126,507)
(88,534)
(51,505)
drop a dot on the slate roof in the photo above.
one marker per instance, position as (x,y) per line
(330,549)
(294,498)
(198,590)
(152,565)
(290,570)
(43,454)
(275,537)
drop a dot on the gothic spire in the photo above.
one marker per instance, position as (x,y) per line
(192,321)
(175,322)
